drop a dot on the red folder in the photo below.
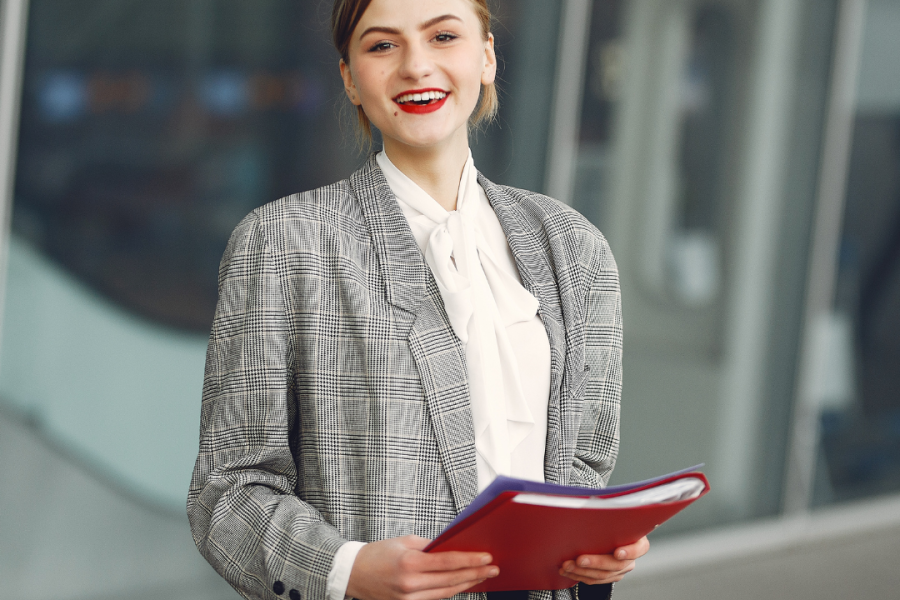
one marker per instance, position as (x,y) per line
(530,542)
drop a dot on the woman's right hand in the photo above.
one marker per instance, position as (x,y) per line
(397,569)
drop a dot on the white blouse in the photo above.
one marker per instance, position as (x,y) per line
(507,349)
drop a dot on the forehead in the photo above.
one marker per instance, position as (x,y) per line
(410,14)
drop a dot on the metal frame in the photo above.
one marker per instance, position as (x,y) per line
(13,25)
(574,35)
(749,300)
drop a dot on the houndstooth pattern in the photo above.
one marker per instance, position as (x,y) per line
(335,398)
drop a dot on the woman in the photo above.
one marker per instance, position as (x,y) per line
(385,345)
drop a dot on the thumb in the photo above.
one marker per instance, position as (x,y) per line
(414,542)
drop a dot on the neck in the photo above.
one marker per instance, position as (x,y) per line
(437,170)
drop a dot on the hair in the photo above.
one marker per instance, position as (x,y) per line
(345,16)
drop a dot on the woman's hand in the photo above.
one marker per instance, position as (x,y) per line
(397,569)
(593,569)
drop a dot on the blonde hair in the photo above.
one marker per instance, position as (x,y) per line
(345,16)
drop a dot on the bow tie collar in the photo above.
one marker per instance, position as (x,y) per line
(481,299)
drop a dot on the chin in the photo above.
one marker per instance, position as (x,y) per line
(426,142)
(426,137)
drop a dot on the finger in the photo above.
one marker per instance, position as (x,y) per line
(452,561)
(594,580)
(447,592)
(414,542)
(633,551)
(610,569)
(462,579)
(454,578)
(604,562)
(598,573)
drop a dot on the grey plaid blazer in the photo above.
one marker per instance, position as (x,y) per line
(335,398)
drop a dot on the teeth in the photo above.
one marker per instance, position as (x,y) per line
(421,97)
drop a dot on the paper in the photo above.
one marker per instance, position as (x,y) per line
(687,488)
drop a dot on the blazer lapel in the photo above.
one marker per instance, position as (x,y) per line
(438,353)
(538,259)
(404,270)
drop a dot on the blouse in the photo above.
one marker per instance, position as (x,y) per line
(507,349)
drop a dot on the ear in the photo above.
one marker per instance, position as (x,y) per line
(349,86)
(490,62)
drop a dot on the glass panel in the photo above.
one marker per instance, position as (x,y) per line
(148,130)
(654,170)
(603,83)
(674,98)
(860,343)
(512,151)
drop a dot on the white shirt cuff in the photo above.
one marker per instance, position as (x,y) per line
(339,576)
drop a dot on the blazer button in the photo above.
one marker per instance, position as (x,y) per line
(278,588)
(295,595)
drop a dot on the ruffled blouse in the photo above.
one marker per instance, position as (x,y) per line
(495,317)
(507,349)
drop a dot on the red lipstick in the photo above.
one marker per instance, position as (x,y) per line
(420,109)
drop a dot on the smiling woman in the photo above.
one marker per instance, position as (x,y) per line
(385,346)
(346,17)
(400,51)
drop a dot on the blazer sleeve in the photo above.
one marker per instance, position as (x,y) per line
(245,515)
(598,435)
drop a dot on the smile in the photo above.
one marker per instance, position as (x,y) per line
(421,101)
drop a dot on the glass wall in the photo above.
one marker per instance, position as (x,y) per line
(698,155)
(148,130)
(860,341)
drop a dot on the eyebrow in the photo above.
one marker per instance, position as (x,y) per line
(395,31)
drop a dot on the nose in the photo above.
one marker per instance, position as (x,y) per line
(416,63)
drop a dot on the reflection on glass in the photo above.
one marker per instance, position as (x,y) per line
(603,82)
(148,130)
(694,250)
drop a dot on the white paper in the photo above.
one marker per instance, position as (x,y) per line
(685,488)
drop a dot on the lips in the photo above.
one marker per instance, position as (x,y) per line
(421,101)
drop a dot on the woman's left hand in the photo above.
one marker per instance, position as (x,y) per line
(594,569)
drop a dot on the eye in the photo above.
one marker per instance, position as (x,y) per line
(445,36)
(381,47)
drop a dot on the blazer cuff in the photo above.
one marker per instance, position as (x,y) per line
(298,569)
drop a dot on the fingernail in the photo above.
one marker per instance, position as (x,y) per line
(584,562)
(486,559)
(568,567)
(621,554)
(494,572)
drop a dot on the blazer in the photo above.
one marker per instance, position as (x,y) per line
(335,398)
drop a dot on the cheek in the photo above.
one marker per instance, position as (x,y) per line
(370,98)
(474,76)
(367,78)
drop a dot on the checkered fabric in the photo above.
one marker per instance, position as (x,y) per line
(335,398)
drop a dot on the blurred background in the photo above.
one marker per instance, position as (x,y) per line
(741,156)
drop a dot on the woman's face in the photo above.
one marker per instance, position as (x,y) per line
(416,67)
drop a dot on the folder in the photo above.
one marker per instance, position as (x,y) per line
(531,528)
